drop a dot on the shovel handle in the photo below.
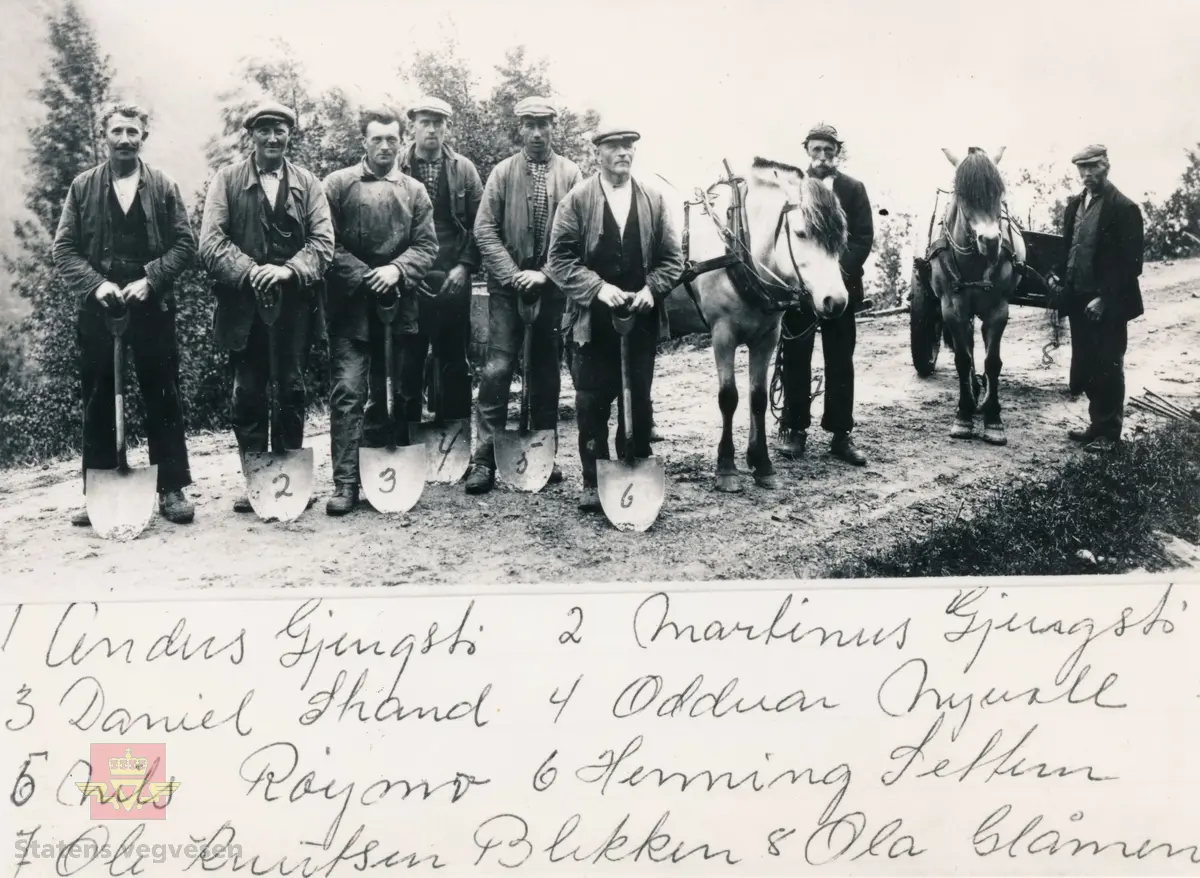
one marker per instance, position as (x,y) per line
(119,392)
(387,307)
(270,305)
(627,398)
(623,322)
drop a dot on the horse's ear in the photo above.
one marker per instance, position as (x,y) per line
(999,155)
(951,156)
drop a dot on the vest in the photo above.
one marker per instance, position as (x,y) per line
(444,222)
(618,260)
(285,236)
(130,240)
(1081,259)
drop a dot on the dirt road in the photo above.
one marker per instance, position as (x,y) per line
(823,511)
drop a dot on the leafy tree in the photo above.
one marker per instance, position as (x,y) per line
(1043,192)
(889,286)
(484,129)
(1173,227)
(39,397)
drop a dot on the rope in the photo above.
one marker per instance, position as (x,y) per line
(776,395)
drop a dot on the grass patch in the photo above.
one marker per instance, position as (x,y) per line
(1109,505)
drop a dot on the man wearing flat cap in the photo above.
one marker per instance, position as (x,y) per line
(838,335)
(613,247)
(444,325)
(122,242)
(520,201)
(1098,286)
(266,231)
(385,244)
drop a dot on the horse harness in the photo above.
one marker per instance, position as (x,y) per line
(946,241)
(771,295)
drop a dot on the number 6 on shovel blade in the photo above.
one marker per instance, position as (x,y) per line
(631,493)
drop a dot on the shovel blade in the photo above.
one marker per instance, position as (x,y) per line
(121,502)
(447,449)
(279,484)
(393,478)
(631,494)
(525,459)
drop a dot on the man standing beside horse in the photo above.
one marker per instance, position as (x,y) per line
(837,334)
(266,232)
(122,241)
(613,249)
(513,230)
(1100,292)
(385,244)
(444,323)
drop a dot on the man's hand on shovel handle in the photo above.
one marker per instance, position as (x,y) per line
(108,294)
(642,302)
(528,280)
(263,277)
(613,297)
(138,291)
(380,280)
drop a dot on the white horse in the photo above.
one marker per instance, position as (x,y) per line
(796,234)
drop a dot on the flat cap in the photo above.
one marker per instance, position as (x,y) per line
(269,111)
(1094,153)
(609,132)
(535,106)
(822,131)
(428,104)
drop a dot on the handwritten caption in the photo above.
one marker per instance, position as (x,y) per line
(1029,730)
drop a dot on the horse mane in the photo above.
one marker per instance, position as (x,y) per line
(978,185)
(760,162)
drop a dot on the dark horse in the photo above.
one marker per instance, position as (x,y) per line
(973,268)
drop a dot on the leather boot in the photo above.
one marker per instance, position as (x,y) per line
(175,507)
(344,499)
(242,504)
(843,446)
(791,444)
(589,500)
(556,475)
(80,518)
(481,480)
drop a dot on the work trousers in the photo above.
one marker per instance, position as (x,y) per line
(445,330)
(506,334)
(150,336)
(251,413)
(596,373)
(837,344)
(358,415)
(1098,363)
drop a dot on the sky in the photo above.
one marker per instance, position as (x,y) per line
(703,79)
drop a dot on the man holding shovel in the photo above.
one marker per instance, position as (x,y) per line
(613,250)
(266,232)
(122,241)
(385,244)
(520,201)
(444,323)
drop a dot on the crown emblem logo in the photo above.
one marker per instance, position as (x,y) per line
(128,765)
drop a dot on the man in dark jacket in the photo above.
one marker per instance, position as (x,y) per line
(613,247)
(444,324)
(837,335)
(513,230)
(385,243)
(122,241)
(1099,288)
(266,227)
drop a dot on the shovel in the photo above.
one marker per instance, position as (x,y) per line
(121,501)
(392,478)
(278,483)
(447,443)
(524,457)
(631,490)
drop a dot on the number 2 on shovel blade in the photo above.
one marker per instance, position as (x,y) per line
(285,491)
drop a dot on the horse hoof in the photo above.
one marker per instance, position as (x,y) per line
(729,483)
(993,434)
(770,481)
(962,430)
